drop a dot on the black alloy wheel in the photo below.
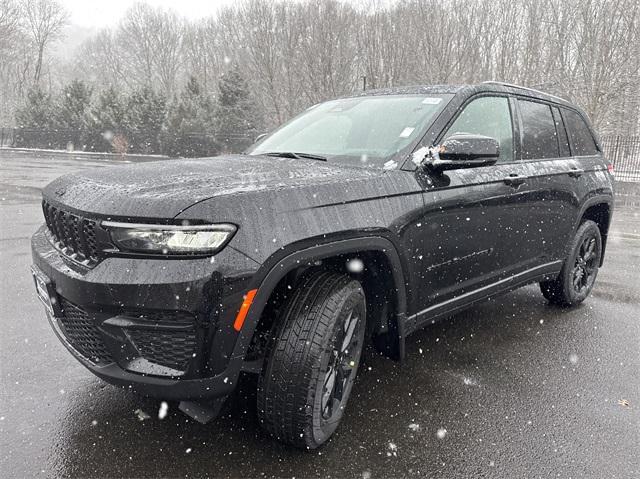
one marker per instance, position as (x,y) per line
(580,268)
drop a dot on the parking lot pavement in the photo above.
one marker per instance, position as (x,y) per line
(509,388)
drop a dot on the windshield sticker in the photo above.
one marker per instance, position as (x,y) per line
(432,101)
(406,133)
(390,165)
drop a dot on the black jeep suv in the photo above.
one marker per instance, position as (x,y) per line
(362,219)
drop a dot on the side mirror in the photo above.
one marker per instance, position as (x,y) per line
(465,151)
(259,137)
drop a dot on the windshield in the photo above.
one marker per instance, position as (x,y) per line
(363,131)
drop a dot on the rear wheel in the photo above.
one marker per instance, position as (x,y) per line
(578,274)
(312,360)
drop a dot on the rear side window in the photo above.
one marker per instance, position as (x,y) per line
(539,137)
(582,142)
(488,116)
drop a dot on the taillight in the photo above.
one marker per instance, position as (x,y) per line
(610,168)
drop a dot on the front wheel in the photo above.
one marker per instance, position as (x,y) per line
(578,274)
(312,360)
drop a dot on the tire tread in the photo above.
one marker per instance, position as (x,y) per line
(293,357)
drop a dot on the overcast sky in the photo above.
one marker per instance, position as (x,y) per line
(100,13)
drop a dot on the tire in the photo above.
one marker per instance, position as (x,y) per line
(579,271)
(302,392)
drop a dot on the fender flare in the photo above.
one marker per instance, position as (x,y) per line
(265,284)
(595,200)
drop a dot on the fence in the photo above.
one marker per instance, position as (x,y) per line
(6,136)
(161,142)
(624,153)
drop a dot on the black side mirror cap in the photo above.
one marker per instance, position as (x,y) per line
(465,151)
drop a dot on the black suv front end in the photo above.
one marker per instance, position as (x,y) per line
(148,270)
(159,324)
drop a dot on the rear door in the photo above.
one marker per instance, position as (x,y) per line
(553,176)
(588,169)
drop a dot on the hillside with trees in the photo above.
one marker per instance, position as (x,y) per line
(175,79)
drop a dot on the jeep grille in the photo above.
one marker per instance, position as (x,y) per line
(74,235)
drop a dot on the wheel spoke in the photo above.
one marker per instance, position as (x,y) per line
(340,381)
(349,328)
(340,367)
(588,249)
(328,391)
(577,279)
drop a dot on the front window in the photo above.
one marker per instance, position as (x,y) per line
(363,131)
(488,116)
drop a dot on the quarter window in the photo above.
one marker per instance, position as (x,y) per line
(563,140)
(582,142)
(487,116)
(539,137)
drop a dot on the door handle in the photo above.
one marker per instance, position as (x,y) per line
(514,180)
(575,172)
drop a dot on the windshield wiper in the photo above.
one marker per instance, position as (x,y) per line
(292,154)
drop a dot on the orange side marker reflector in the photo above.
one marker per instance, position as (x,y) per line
(244,309)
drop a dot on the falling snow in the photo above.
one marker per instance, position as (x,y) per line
(164,408)
(142,416)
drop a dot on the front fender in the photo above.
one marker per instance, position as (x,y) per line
(278,265)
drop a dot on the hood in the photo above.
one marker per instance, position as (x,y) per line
(162,189)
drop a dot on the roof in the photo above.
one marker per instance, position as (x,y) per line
(412,90)
(493,86)
(523,90)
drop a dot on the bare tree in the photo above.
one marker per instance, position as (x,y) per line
(294,53)
(100,61)
(9,24)
(150,42)
(15,60)
(44,20)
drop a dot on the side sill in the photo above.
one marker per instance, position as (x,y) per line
(417,321)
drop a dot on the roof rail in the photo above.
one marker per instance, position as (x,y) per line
(512,85)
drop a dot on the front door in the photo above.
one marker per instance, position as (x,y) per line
(472,215)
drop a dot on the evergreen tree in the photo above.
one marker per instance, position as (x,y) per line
(35,118)
(37,110)
(108,113)
(107,121)
(190,123)
(73,110)
(146,111)
(237,119)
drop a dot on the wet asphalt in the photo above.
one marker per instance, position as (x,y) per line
(512,387)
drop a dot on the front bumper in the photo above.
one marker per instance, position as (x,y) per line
(162,327)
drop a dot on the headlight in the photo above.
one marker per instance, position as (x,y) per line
(170,239)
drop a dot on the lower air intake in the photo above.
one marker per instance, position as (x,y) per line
(82,333)
(171,349)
